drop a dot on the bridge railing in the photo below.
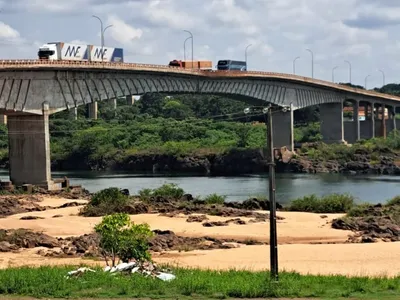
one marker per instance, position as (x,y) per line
(35,63)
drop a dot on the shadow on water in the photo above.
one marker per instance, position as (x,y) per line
(368,188)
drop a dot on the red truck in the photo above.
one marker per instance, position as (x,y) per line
(187,64)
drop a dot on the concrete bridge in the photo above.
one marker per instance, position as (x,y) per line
(31,90)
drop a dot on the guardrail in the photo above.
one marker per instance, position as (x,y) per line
(34,63)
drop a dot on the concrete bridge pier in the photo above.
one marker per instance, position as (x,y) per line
(29,149)
(73,113)
(3,119)
(367,126)
(332,128)
(283,129)
(380,123)
(113,102)
(391,121)
(130,100)
(352,128)
(93,110)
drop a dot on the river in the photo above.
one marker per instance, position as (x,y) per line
(372,189)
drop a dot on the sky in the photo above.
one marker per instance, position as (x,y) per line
(363,32)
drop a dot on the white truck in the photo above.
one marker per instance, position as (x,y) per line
(76,52)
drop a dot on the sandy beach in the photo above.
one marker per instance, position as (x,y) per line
(307,243)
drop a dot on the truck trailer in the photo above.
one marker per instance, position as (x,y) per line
(187,64)
(80,52)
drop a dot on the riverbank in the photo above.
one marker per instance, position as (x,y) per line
(52,231)
(312,158)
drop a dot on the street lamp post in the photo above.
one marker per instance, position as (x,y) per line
(312,62)
(102,30)
(333,73)
(184,47)
(383,77)
(346,61)
(191,35)
(245,54)
(366,77)
(294,64)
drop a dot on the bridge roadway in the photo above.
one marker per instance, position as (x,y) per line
(31,90)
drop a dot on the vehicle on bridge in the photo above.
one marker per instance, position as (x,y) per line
(205,65)
(232,65)
(76,52)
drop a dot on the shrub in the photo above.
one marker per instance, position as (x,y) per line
(358,210)
(394,201)
(105,202)
(334,203)
(121,238)
(215,199)
(168,190)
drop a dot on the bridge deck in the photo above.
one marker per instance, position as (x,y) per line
(74,65)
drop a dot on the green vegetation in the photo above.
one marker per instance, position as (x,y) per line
(168,190)
(121,238)
(105,202)
(333,203)
(215,199)
(51,282)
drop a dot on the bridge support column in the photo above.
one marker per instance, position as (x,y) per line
(130,100)
(373,119)
(93,110)
(73,113)
(29,150)
(113,102)
(352,130)
(283,129)
(383,121)
(332,122)
(3,119)
(391,121)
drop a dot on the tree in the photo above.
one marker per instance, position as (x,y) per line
(121,238)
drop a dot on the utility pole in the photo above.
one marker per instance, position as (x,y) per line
(272,201)
(191,35)
(102,31)
(184,48)
(312,62)
(366,77)
(383,77)
(346,61)
(294,64)
(333,73)
(273,238)
(245,54)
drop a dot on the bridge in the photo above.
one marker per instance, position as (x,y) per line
(31,90)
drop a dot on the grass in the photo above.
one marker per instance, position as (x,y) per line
(333,203)
(51,282)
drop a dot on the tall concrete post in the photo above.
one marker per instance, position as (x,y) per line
(130,100)
(93,110)
(332,128)
(29,149)
(73,113)
(356,120)
(373,119)
(394,119)
(383,120)
(3,119)
(114,103)
(283,129)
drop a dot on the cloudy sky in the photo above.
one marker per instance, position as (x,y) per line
(364,32)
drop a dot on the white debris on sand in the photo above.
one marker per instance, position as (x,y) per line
(147,269)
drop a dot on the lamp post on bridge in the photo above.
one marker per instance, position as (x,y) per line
(383,77)
(294,64)
(184,47)
(346,61)
(333,73)
(312,62)
(102,31)
(191,35)
(245,54)
(366,77)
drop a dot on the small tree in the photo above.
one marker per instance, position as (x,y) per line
(121,238)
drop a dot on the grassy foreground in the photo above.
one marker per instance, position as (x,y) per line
(51,282)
